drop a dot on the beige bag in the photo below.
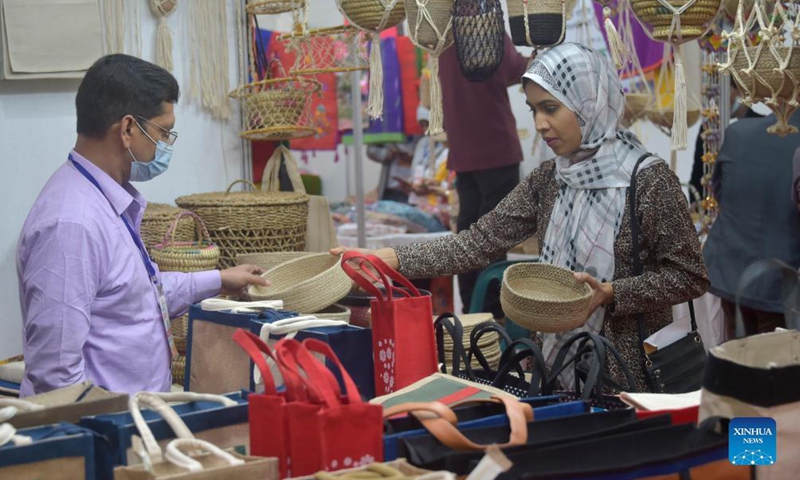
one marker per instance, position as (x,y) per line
(320,232)
(66,404)
(174,463)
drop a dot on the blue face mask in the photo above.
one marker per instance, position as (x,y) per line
(142,172)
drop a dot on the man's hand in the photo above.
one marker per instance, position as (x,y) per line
(603,293)
(235,280)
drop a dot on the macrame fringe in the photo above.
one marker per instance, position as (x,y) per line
(209,55)
(375,105)
(164,44)
(679,125)
(436,124)
(615,44)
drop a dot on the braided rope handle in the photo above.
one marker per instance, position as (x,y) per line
(199,227)
(248,182)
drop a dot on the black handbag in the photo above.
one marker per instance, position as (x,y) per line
(588,363)
(678,367)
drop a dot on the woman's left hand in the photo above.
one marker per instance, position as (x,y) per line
(602,293)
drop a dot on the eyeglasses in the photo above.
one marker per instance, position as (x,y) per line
(169,137)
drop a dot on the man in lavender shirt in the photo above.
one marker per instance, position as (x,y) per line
(88,291)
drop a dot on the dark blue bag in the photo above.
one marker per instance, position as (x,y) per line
(214,363)
(224,426)
(542,411)
(353,346)
(61,451)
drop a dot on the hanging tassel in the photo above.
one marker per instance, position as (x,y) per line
(679,124)
(615,44)
(164,44)
(436,124)
(375,106)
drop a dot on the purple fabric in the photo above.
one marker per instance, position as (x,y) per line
(649,51)
(392,121)
(89,309)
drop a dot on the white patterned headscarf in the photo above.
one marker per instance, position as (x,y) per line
(593,181)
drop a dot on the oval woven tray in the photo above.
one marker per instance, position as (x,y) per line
(307,284)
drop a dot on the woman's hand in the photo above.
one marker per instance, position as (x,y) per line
(602,293)
(388,255)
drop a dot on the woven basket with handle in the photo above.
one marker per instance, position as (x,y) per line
(544,298)
(251,222)
(157,219)
(307,284)
(334,312)
(367,14)
(194,256)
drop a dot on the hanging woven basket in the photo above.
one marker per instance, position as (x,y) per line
(273,7)
(156,220)
(369,14)
(278,108)
(194,256)
(430,25)
(479,35)
(657,17)
(327,50)
(538,23)
(635,107)
(760,75)
(251,222)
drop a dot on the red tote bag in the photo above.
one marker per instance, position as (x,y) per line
(343,431)
(403,340)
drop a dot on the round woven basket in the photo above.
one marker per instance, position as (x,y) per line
(278,108)
(367,14)
(273,7)
(635,105)
(179,370)
(656,19)
(441,15)
(180,332)
(251,222)
(664,118)
(157,219)
(195,256)
(268,260)
(545,22)
(766,75)
(544,298)
(334,312)
(307,284)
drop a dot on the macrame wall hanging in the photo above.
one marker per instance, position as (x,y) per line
(206,27)
(539,23)
(710,138)
(769,71)
(479,34)
(430,25)
(638,93)
(374,16)
(163,9)
(675,22)
(114,26)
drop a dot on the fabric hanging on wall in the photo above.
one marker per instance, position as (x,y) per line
(35,31)
(649,51)
(392,121)
(410,71)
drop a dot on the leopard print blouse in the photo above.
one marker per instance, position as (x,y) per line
(674,271)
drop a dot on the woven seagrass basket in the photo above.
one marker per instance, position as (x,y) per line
(334,312)
(194,256)
(544,298)
(157,219)
(656,19)
(307,284)
(251,222)
(268,260)
(367,14)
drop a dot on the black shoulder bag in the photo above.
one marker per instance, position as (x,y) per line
(678,367)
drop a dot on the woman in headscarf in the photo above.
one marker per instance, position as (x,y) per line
(576,207)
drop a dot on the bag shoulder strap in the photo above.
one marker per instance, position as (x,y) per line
(637,261)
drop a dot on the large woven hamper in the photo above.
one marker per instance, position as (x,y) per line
(251,222)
